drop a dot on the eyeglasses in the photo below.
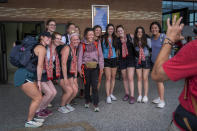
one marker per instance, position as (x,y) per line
(52,25)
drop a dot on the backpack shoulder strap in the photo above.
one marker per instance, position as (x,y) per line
(84,47)
(96,45)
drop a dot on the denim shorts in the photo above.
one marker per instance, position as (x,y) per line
(23,76)
(144,64)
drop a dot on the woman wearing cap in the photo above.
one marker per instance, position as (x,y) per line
(27,81)
(51,71)
(68,82)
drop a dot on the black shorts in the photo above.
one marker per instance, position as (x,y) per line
(144,64)
(127,62)
(112,63)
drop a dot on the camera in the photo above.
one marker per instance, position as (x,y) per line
(189,31)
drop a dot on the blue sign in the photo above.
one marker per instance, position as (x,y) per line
(100,16)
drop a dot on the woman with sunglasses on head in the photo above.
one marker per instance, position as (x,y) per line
(127,63)
(109,46)
(142,62)
(68,78)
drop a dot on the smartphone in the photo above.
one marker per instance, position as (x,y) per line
(189,31)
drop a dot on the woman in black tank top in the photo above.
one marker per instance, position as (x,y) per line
(26,80)
(68,80)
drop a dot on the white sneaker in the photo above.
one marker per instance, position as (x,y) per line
(161,104)
(87,105)
(139,99)
(145,99)
(96,109)
(39,120)
(33,124)
(63,109)
(108,101)
(70,107)
(113,98)
(156,100)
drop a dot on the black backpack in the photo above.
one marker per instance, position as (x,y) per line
(23,56)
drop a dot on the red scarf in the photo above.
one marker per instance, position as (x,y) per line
(141,55)
(73,67)
(49,65)
(110,53)
(124,47)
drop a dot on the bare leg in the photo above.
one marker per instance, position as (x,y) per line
(130,73)
(31,90)
(125,81)
(160,87)
(67,93)
(145,78)
(108,80)
(139,81)
(113,78)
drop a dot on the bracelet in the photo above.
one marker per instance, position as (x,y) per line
(38,80)
(75,76)
(170,41)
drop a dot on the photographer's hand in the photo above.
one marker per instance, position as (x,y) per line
(174,30)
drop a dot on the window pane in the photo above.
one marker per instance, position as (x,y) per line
(180,5)
(166,4)
(191,24)
(195,5)
(196,16)
(191,17)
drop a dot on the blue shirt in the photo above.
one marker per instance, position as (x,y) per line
(156,46)
(106,49)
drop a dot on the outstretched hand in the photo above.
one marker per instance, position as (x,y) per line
(174,30)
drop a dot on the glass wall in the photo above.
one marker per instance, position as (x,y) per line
(187,9)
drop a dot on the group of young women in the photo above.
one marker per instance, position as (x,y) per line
(68,58)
